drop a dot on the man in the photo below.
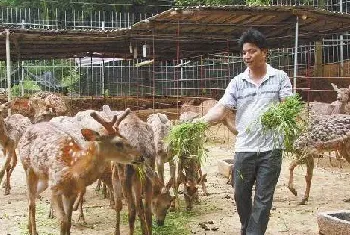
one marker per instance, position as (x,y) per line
(258,156)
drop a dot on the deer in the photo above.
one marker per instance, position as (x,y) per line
(51,157)
(140,135)
(325,134)
(129,185)
(161,126)
(189,170)
(11,129)
(228,120)
(340,106)
(46,105)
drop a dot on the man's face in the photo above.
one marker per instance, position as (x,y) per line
(253,56)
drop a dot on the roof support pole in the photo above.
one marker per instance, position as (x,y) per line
(8,68)
(341,37)
(296,55)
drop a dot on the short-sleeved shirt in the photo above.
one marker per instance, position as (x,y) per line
(251,101)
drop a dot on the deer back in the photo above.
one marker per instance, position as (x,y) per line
(48,150)
(16,125)
(139,134)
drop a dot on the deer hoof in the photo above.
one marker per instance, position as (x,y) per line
(295,193)
(7,191)
(303,202)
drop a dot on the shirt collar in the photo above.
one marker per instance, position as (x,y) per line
(270,72)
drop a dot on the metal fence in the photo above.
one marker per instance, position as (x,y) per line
(202,76)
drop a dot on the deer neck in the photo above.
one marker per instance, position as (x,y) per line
(85,164)
(4,138)
(342,107)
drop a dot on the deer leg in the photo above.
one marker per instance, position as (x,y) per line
(32,182)
(131,215)
(310,164)
(202,180)
(51,213)
(79,203)
(68,202)
(330,159)
(291,176)
(98,186)
(148,204)
(57,203)
(9,171)
(118,195)
(160,169)
(142,216)
(5,167)
(339,158)
(111,196)
(118,207)
(172,169)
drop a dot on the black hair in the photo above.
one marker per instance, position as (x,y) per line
(253,36)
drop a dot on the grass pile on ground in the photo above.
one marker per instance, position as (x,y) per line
(187,139)
(285,118)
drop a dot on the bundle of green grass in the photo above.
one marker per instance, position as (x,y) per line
(285,118)
(187,140)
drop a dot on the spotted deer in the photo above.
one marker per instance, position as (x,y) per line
(46,105)
(129,185)
(326,133)
(51,157)
(11,130)
(161,126)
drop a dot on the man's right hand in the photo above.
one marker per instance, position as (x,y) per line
(200,119)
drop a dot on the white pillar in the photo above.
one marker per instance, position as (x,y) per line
(8,67)
(296,55)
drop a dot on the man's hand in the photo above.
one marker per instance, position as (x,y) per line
(200,119)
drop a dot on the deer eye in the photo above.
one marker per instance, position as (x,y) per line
(119,144)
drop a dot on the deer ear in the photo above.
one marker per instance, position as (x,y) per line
(334,86)
(170,183)
(90,135)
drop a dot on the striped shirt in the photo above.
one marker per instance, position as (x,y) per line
(251,100)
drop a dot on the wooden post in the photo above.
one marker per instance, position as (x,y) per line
(318,72)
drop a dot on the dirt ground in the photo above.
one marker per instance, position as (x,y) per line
(216,212)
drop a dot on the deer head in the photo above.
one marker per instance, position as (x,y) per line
(113,145)
(161,200)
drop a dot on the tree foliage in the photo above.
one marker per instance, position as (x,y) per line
(221,2)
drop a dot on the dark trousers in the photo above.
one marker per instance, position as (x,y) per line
(263,169)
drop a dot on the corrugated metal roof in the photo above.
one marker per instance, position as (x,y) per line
(180,33)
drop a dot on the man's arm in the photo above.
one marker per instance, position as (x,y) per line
(215,114)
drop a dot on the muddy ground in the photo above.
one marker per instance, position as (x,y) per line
(216,212)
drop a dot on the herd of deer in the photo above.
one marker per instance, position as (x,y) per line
(66,154)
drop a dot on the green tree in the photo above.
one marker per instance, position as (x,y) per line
(208,2)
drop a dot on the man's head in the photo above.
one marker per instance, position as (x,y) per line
(254,48)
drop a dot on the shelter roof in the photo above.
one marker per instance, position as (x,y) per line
(181,33)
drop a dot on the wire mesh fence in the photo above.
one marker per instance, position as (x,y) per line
(201,76)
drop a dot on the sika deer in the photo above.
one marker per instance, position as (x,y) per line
(11,129)
(190,174)
(129,185)
(50,157)
(46,105)
(161,126)
(325,133)
(140,136)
